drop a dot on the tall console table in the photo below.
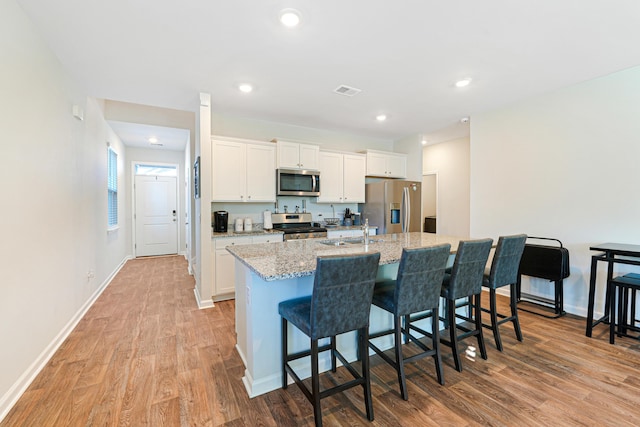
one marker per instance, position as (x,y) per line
(611,254)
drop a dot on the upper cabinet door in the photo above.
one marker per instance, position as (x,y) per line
(354,182)
(309,157)
(292,155)
(331,178)
(397,166)
(376,164)
(288,155)
(229,171)
(386,164)
(261,173)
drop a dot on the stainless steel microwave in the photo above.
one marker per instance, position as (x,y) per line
(295,182)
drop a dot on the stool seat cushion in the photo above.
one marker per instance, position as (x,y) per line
(298,312)
(383,295)
(444,291)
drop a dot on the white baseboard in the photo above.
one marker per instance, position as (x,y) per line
(20,386)
(208,303)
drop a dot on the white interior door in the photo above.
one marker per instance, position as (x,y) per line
(156,215)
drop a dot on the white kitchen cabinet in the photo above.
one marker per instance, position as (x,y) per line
(224,267)
(344,234)
(342,178)
(224,263)
(243,172)
(292,155)
(386,164)
(355,167)
(261,173)
(229,171)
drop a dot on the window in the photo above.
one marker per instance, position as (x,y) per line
(155,170)
(112,187)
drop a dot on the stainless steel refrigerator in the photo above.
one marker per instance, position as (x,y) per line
(393,206)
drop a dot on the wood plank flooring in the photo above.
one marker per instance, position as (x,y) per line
(145,355)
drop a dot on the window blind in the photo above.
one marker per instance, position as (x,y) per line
(112,187)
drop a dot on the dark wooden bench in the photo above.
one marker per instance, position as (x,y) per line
(550,262)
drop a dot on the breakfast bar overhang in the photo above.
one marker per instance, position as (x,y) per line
(267,274)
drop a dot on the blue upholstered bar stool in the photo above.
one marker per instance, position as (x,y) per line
(504,272)
(340,302)
(416,289)
(465,281)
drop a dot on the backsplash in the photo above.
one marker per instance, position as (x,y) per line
(255,210)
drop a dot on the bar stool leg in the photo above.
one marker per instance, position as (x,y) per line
(451,316)
(494,318)
(399,360)
(478,322)
(285,350)
(366,373)
(315,384)
(333,354)
(435,342)
(514,312)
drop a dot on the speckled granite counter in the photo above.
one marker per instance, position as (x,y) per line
(267,274)
(347,227)
(297,258)
(232,233)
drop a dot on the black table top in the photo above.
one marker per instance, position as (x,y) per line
(618,249)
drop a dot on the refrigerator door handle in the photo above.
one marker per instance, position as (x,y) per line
(406,210)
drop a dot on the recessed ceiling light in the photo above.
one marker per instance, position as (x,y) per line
(381,117)
(245,88)
(290,18)
(153,140)
(464,120)
(463,82)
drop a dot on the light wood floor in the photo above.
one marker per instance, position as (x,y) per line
(145,355)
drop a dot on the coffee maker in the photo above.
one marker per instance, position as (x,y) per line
(220,220)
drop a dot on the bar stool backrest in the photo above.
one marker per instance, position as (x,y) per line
(506,260)
(342,293)
(468,268)
(420,275)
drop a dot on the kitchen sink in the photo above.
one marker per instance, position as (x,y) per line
(349,241)
(333,242)
(360,241)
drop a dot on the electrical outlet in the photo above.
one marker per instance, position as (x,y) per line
(91,274)
(248,296)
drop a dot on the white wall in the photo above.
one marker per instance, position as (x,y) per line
(563,165)
(412,147)
(262,130)
(450,160)
(54,203)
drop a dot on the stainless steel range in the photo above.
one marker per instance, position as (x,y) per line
(297,226)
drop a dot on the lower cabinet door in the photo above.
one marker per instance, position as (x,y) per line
(225,278)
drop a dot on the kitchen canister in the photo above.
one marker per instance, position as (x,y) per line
(248,224)
(239,225)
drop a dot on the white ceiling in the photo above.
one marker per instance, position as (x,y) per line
(403,55)
(137,135)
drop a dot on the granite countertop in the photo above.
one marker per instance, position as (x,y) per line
(297,258)
(347,227)
(254,232)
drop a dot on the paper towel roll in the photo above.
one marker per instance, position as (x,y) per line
(267,224)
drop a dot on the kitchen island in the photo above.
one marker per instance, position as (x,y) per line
(269,273)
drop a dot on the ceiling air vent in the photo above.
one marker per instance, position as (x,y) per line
(347,90)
